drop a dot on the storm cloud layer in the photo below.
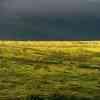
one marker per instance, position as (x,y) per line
(42,7)
(49,19)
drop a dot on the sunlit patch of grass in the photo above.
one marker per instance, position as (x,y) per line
(68,69)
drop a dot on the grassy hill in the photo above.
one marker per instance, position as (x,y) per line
(56,70)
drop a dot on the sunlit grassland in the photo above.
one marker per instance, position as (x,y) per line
(49,68)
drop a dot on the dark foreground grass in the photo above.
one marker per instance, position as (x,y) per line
(49,71)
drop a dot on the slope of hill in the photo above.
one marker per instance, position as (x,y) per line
(49,70)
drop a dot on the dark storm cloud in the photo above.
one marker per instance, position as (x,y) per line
(67,19)
(41,7)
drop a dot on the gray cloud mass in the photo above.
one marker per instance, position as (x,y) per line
(40,7)
(67,19)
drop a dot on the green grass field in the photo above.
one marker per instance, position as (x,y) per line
(46,70)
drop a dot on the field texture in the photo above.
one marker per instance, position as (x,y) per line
(49,70)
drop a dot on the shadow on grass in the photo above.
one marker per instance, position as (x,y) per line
(60,97)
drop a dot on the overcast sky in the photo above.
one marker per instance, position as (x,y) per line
(79,16)
(45,7)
